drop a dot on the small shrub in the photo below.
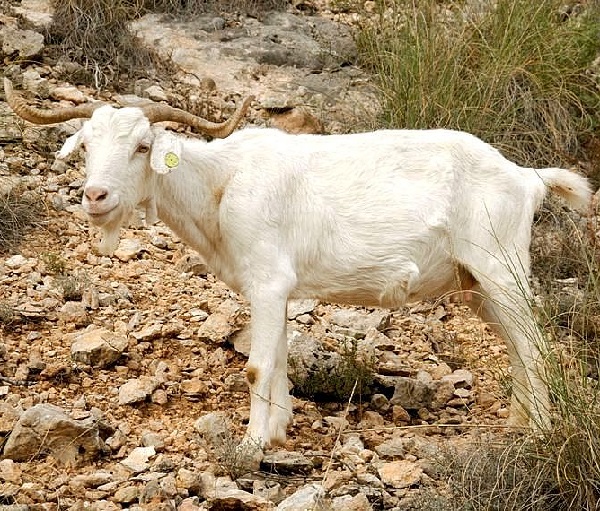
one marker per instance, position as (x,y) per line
(96,34)
(556,472)
(19,210)
(236,458)
(7,314)
(54,263)
(71,286)
(353,377)
(498,475)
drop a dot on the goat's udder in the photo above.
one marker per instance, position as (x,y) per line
(465,283)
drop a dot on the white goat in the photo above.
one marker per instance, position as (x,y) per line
(375,219)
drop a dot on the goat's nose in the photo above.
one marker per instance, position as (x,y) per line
(96,193)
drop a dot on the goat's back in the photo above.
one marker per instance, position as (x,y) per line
(377,218)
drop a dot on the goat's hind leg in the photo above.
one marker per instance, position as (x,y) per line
(505,306)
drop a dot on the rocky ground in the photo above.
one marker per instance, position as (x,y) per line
(122,379)
(116,391)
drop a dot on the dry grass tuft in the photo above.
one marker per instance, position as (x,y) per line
(96,34)
(19,210)
(183,7)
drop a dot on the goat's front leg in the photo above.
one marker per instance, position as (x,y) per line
(270,404)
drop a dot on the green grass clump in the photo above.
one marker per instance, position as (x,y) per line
(351,378)
(515,75)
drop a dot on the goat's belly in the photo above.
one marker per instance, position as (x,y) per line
(387,289)
(359,297)
(368,288)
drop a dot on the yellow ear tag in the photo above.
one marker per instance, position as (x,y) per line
(171,160)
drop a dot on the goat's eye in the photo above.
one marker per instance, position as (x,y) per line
(142,148)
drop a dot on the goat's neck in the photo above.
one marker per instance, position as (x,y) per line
(188,200)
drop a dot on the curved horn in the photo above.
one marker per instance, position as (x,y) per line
(158,113)
(40,116)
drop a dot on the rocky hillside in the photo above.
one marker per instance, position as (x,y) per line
(122,380)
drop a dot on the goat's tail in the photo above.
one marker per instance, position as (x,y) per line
(572,187)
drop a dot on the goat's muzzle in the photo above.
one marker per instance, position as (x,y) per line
(98,203)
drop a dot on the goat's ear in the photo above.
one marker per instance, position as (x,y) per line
(166,152)
(70,146)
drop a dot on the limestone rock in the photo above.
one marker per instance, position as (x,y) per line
(192,263)
(307,497)
(156,93)
(296,308)
(221,324)
(72,94)
(234,499)
(188,480)
(47,429)
(392,448)
(137,461)
(461,378)
(36,12)
(25,44)
(412,394)
(356,323)
(268,489)
(189,504)
(136,390)
(149,332)
(151,439)
(194,388)
(126,495)
(285,462)
(128,249)
(212,425)
(297,120)
(97,347)
(308,355)
(242,341)
(359,502)
(444,392)
(400,474)
(10,472)
(9,415)
(15,261)
(74,312)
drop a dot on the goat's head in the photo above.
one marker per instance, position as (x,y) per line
(122,150)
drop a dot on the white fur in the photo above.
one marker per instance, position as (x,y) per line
(375,219)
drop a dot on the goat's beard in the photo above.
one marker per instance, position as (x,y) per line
(110,229)
(111,226)
(110,240)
